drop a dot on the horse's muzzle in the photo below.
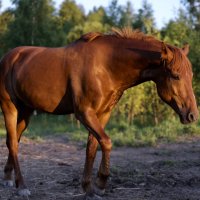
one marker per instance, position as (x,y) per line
(189,117)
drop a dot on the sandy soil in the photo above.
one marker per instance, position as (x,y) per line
(53,169)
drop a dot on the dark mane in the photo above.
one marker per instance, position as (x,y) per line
(126,32)
(129,33)
(177,62)
(88,37)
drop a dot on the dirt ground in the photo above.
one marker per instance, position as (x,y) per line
(53,169)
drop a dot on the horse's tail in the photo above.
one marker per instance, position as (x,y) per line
(8,60)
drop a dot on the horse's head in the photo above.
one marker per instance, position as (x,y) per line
(174,83)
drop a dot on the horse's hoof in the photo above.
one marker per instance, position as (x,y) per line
(8,183)
(24,192)
(92,197)
(98,191)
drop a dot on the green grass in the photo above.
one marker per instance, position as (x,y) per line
(2,132)
(43,125)
(121,133)
(165,132)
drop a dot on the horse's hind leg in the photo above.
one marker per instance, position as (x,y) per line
(8,170)
(22,123)
(15,124)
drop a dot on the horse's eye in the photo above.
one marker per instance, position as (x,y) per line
(176,76)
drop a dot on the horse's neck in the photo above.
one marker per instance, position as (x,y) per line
(129,64)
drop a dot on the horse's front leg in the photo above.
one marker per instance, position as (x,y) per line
(91,150)
(90,120)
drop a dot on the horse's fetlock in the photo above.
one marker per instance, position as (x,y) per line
(17,183)
(8,169)
(86,182)
(101,180)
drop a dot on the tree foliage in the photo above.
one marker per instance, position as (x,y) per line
(72,18)
(5,18)
(145,20)
(34,23)
(193,7)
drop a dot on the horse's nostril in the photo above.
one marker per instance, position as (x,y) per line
(191,117)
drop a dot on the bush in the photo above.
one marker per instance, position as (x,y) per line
(120,132)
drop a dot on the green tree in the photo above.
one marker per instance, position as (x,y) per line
(177,31)
(97,14)
(129,107)
(96,21)
(193,7)
(72,18)
(113,13)
(34,24)
(127,15)
(145,20)
(5,18)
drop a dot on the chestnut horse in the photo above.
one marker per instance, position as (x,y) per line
(87,78)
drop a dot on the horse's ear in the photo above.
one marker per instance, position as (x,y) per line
(166,53)
(186,49)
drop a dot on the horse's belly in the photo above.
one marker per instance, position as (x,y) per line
(49,98)
(50,104)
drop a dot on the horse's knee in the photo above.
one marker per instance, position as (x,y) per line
(106,145)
